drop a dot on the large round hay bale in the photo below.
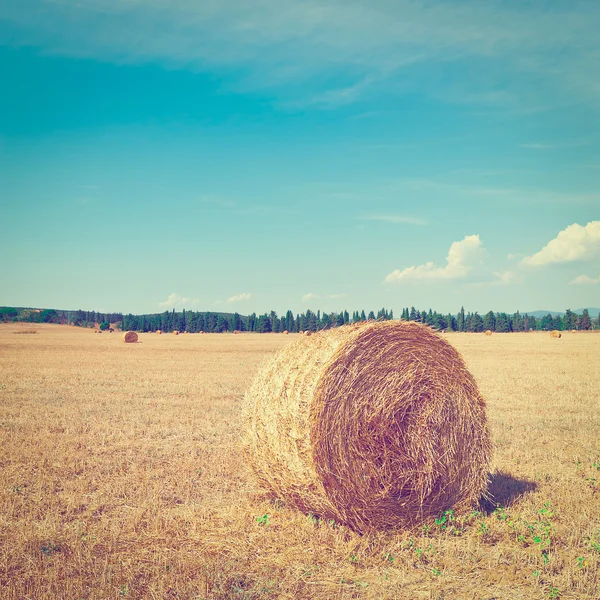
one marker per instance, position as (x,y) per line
(175,332)
(307,333)
(488,332)
(376,425)
(130,337)
(555,333)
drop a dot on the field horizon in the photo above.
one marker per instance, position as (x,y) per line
(122,476)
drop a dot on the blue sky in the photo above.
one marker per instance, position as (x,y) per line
(326,155)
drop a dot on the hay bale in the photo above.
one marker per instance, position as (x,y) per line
(307,333)
(555,333)
(488,332)
(235,332)
(376,425)
(130,337)
(285,332)
(175,332)
(158,332)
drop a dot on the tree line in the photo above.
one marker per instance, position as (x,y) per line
(217,322)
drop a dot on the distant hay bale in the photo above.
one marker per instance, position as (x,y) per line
(235,332)
(307,333)
(488,332)
(555,333)
(301,332)
(285,332)
(376,425)
(175,332)
(158,332)
(130,337)
(573,331)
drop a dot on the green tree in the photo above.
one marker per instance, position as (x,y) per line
(502,324)
(489,321)
(546,323)
(476,323)
(570,319)
(585,322)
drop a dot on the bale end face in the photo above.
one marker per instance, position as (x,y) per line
(130,337)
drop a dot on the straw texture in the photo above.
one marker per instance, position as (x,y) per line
(130,337)
(376,425)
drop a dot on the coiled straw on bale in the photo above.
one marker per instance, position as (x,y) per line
(130,337)
(377,425)
(555,333)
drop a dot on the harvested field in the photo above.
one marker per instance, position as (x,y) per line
(121,476)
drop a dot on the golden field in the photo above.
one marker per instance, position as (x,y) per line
(121,476)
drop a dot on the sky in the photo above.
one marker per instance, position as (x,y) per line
(295,154)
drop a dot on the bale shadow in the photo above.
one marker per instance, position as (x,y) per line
(504,490)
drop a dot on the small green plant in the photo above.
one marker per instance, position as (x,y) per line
(387,556)
(312,519)
(581,562)
(353,559)
(436,572)
(264,520)
(553,592)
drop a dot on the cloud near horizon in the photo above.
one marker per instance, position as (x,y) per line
(176,300)
(463,258)
(239,298)
(585,280)
(574,243)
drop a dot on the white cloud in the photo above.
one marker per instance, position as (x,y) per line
(310,296)
(175,300)
(463,258)
(585,280)
(575,243)
(401,219)
(357,46)
(506,278)
(239,298)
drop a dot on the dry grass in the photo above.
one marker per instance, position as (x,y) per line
(121,477)
(385,426)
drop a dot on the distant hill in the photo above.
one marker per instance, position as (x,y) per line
(538,314)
